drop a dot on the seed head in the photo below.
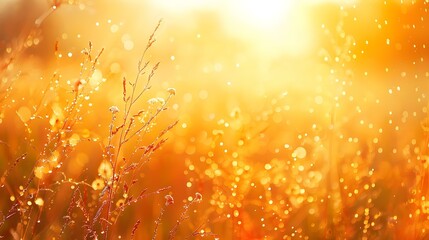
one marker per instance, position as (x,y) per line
(168,200)
(114,109)
(171,91)
(198,197)
(157,100)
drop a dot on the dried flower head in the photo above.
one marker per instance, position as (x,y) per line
(169,200)
(171,91)
(77,85)
(157,100)
(97,184)
(198,197)
(114,109)
(120,203)
(105,170)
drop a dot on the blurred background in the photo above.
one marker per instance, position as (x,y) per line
(297,119)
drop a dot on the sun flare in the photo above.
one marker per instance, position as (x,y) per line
(214,119)
(262,14)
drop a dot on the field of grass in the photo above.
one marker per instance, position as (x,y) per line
(127,119)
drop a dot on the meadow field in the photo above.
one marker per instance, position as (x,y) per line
(215,119)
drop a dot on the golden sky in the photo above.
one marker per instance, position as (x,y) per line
(296,118)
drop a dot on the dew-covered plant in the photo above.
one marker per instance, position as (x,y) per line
(47,190)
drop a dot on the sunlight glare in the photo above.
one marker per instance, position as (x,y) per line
(271,27)
(262,14)
(182,6)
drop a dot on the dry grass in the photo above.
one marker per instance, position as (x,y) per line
(41,199)
(93,154)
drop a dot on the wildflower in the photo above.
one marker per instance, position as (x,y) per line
(39,202)
(171,91)
(38,172)
(198,197)
(114,109)
(157,100)
(41,171)
(168,200)
(120,203)
(97,184)
(105,170)
(152,101)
